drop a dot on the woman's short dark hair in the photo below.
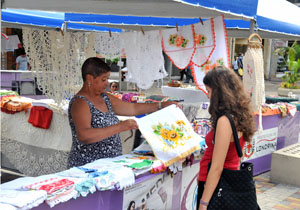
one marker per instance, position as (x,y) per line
(94,66)
(228,96)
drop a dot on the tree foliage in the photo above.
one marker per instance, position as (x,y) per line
(291,56)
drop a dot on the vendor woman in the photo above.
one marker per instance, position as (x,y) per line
(92,116)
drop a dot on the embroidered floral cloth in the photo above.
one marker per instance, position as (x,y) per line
(169,134)
(179,45)
(218,57)
(205,42)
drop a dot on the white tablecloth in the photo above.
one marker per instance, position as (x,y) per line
(189,95)
(36,151)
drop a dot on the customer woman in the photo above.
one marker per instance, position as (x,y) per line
(92,116)
(227,96)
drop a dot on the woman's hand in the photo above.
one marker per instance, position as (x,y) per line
(129,125)
(168,103)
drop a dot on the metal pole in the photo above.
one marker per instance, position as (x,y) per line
(170,69)
(252,25)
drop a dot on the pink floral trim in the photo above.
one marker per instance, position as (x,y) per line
(195,80)
(226,43)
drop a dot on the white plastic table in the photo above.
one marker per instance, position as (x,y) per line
(189,95)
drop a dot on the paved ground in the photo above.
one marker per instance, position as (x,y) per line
(275,195)
(270,195)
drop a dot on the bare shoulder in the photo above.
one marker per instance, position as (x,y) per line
(79,105)
(223,130)
(223,121)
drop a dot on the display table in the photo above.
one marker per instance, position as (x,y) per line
(189,95)
(35,151)
(275,99)
(158,191)
(278,132)
(163,192)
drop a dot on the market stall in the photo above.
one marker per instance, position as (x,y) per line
(281,128)
(182,186)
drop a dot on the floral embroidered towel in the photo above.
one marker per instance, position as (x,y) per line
(218,57)
(179,45)
(169,134)
(205,42)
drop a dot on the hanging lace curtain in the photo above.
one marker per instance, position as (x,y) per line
(145,61)
(57,60)
(108,46)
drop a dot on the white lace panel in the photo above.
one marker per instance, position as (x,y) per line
(57,60)
(108,47)
(179,45)
(145,61)
(253,77)
(35,151)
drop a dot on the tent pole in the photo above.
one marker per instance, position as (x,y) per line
(66,25)
(252,25)
(170,69)
(120,75)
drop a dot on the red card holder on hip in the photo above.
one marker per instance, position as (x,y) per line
(40,117)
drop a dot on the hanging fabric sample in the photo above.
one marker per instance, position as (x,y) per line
(205,42)
(253,78)
(108,46)
(179,45)
(57,60)
(219,57)
(169,134)
(145,61)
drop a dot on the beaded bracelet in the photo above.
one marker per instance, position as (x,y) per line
(204,203)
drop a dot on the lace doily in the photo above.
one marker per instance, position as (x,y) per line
(108,47)
(179,45)
(57,60)
(145,61)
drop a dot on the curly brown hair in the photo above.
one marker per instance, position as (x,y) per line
(229,97)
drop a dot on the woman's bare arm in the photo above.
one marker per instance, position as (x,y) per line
(222,141)
(81,116)
(132,109)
